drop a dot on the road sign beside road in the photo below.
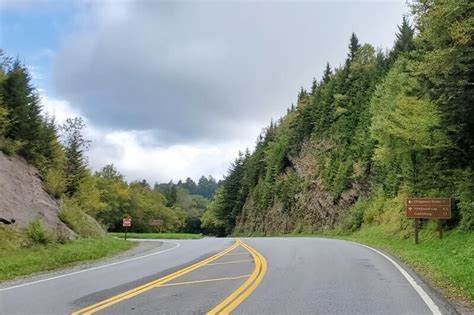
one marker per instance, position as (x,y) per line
(428,208)
(156,222)
(127,222)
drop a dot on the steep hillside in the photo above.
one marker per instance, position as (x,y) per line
(380,127)
(23,197)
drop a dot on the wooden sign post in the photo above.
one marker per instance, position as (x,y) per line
(428,208)
(157,223)
(126,223)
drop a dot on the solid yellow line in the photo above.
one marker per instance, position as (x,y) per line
(238,296)
(201,281)
(229,262)
(148,286)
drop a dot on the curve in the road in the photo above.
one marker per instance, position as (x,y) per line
(244,291)
(225,307)
(422,293)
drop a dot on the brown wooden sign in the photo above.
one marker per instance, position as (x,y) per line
(156,222)
(428,208)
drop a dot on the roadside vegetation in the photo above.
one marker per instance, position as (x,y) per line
(37,250)
(381,127)
(182,236)
(58,151)
(90,203)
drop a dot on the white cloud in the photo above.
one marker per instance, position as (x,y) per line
(187,69)
(176,89)
(136,156)
(126,150)
(60,109)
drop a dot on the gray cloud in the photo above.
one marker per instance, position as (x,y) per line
(195,71)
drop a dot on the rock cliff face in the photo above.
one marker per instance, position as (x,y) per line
(23,197)
(313,206)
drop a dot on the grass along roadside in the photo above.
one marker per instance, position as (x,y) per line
(447,263)
(180,236)
(24,261)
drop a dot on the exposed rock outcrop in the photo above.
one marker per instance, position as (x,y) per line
(23,197)
(313,206)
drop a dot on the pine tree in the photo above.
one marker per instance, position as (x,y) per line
(302,94)
(75,146)
(446,69)
(23,105)
(327,74)
(404,41)
(314,86)
(353,46)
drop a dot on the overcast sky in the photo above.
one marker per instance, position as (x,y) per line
(176,89)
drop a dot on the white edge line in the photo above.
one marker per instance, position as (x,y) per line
(421,292)
(91,269)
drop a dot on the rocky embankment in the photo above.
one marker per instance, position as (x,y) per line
(23,197)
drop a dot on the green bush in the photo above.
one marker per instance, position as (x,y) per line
(466,202)
(374,207)
(11,147)
(62,235)
(37,234)
(84,225)
(55,182)
(11,238)
(353,221)
(4,122)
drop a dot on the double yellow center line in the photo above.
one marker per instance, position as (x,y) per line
(244,291)
(225,307)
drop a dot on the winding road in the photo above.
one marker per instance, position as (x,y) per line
(238,276)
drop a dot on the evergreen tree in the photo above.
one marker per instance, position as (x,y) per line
(75,146)
(446,69)
(314,86)
(354,46)
(301,95)
(327,74)
(405,40)
(23,105)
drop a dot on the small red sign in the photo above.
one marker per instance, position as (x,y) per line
(127,222)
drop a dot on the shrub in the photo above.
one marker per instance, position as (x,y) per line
(374,207)
(84,225)
(11,147)
(11,238)
(394,219)
(466,201)
(353,221)
(37,234)
(4,122)
(55,182)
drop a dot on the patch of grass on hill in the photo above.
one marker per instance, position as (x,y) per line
(158,235)
(22,261)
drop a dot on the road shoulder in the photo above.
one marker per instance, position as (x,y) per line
(141,248)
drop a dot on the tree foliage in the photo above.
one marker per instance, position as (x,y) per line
(399,123)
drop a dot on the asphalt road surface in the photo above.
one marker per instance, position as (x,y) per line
(223,275)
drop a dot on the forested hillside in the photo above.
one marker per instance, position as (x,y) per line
(378,128)
(59,152)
